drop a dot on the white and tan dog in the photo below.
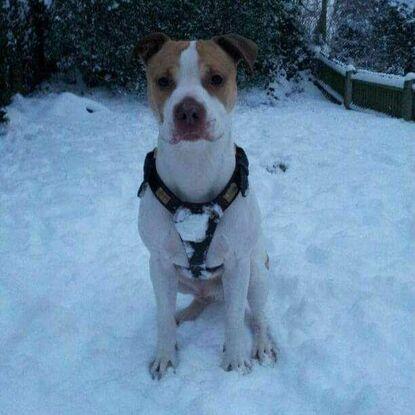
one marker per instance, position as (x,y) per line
(192,91)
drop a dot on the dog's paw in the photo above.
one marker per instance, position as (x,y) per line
(264,350)
(160,365)
(236,361)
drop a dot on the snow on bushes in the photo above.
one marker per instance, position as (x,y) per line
(97,38)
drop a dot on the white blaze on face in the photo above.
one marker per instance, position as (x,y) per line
(189,73)
(189,84)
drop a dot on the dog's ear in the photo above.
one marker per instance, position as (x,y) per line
(239,48)
(149,46)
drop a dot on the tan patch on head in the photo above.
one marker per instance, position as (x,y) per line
(213,60)
(164,63)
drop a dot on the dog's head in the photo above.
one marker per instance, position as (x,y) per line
(192,85)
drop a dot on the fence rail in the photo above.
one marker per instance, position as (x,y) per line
(390,94)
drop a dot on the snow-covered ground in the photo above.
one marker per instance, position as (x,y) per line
(77,314)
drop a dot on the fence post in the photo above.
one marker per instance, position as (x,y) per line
(407,100)
(348,86)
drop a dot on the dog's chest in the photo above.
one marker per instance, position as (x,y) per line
(235,235)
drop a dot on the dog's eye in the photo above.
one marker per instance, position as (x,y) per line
(163,82)
(216,80)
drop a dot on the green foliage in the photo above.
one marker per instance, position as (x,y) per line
(4,68)
(394,31)
(375,34)
(3,116)
(96,38)
(23,30)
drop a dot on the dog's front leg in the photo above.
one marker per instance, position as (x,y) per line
(164,279)
(235,288)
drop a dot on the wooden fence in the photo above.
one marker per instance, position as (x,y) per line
(390,94)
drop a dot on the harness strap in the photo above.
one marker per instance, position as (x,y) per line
(197,259)
(238,183)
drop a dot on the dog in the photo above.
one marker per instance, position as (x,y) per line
(192,91)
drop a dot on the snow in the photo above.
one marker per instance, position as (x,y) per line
(333,64)
(380,78)
(77,312)
(189,249)
(334,94)
(350,68)
(410,3)
(362,74)
(191,226)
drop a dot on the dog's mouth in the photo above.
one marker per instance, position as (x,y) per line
(190,136)
(194,134)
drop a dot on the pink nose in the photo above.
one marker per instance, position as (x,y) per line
(189,115)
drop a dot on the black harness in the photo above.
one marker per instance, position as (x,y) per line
(196,251)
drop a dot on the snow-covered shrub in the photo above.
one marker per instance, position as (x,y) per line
(374,34)
(23,28)
(352,30)
(394,34)
(4,85)
(96,38)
